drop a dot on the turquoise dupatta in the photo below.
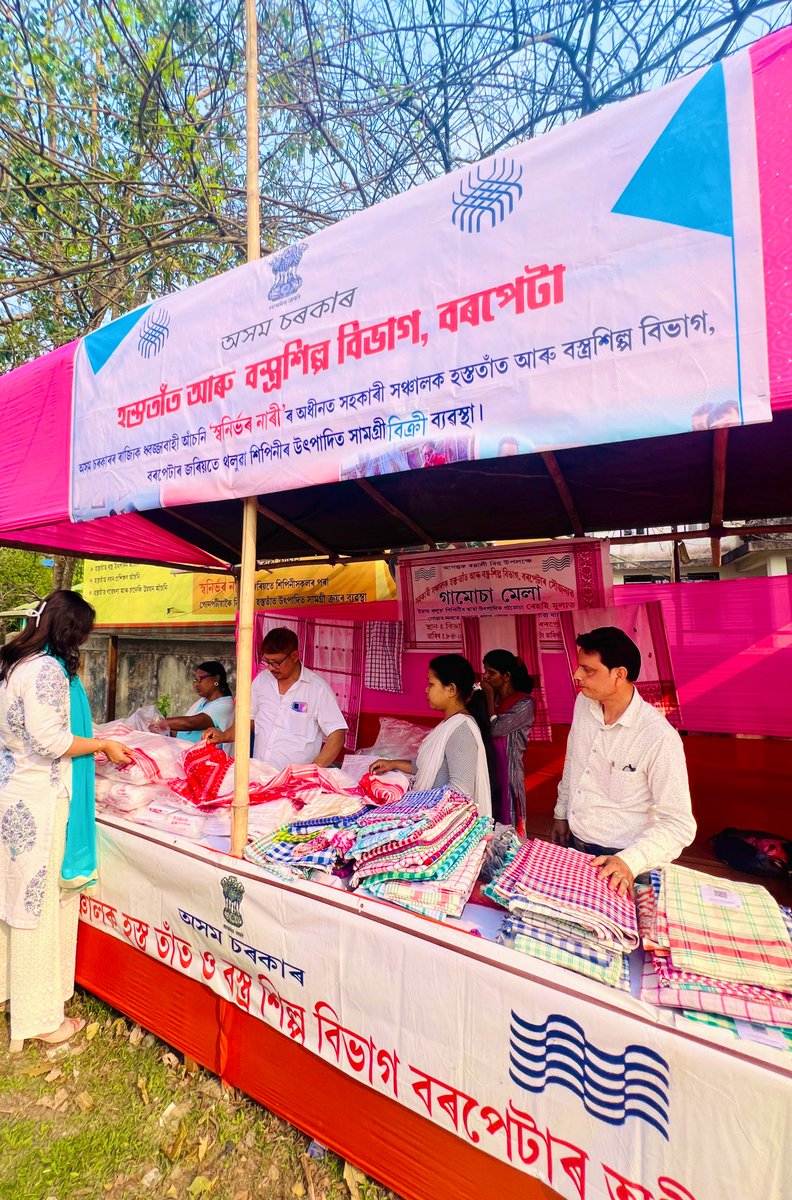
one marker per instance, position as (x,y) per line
(78,870)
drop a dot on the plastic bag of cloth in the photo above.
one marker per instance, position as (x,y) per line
(396,739)
(156,759)
(137,722)
(169,819)
(127,797)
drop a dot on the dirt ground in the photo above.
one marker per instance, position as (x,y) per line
(116,1114)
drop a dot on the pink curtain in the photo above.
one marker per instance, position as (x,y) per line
(521,636)
(332,648)
(644,624)
(731,644)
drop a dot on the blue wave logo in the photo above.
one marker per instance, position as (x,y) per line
(286,280)
(426,573)
(557,562)
(612,1087)
(487,200)
(153,333)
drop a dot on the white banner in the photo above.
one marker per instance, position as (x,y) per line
(562,1077)
(600,283)
(499,582)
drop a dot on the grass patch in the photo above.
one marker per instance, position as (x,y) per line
(116,1116)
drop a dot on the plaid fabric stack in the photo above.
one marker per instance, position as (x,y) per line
(305,846)
(715,946)
(423,852)
(562,913)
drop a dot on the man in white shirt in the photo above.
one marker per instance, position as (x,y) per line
(293,711)
(624,794)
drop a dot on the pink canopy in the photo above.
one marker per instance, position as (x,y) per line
(36,399)
(34,483)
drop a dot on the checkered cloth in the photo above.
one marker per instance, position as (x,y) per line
(271,849)
(732,931)
(384,653)
(542,872)
(654,990)
(438,898)
(565,952)
(652,924)
(720,1022)
(409,805)
(426,842)
(442,867)
(345,822)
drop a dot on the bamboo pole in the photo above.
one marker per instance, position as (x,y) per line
(247,574)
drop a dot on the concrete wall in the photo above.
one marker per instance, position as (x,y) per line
(149,668)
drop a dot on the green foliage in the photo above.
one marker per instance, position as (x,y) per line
(23,580)
(164,705)
(122,123)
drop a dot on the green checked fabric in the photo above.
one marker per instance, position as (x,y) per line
(436,898)
(443,867)
(719,1022)
(615,975)
(733,931)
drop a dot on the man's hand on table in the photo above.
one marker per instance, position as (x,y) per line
(615,871)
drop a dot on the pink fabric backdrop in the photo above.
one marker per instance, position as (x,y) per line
(771,62)
(333,648)
(36,404)
(731,647)
(644,623)
(731,650)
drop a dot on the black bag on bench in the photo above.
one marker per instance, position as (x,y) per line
(753,851)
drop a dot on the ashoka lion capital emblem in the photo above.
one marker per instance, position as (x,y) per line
(233,892)
(286,279)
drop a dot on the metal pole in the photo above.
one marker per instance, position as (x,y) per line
(247,575)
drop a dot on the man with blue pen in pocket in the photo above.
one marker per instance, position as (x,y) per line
(294,713)
(624,794)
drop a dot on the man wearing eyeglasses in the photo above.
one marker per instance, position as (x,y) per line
(293,711)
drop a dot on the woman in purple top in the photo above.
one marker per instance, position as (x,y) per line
(508,686)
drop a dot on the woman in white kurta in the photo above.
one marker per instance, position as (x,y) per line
(453,754)
(38,933)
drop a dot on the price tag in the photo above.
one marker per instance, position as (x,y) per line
(723,897)
(754,1031)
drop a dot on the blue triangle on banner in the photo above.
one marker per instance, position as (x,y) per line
(685,178)
(102,343)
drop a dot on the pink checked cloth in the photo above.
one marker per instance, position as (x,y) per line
(654,990)
(543,871)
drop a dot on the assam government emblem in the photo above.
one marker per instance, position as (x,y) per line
(233,891)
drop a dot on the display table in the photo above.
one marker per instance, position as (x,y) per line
(441,1063)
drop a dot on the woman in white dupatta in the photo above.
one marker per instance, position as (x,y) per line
(453,753)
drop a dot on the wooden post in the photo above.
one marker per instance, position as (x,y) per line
(676,567)
(112,677)
(247,574)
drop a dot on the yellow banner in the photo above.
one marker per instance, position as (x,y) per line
(125,594)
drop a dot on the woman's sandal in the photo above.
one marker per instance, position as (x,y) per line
(67,1030)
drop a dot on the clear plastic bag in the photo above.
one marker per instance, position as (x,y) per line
(397,739)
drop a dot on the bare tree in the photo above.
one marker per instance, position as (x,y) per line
(122,123)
